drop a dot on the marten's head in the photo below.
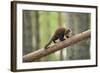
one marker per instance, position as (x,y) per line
(68,33)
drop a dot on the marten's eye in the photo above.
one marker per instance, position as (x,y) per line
(67,36)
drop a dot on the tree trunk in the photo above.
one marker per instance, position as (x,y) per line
(37,26)
(27,32)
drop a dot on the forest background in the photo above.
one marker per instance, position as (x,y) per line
(39,26)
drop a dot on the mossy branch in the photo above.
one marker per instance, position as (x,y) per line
(58,46)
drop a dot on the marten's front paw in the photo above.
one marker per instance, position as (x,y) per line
(47,47)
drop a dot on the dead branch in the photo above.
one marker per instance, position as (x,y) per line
(58,46)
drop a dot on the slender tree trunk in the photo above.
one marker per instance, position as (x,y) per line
(47,58)
(33,15)
(37,28)
(27,32)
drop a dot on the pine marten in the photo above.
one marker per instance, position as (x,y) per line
(59,34)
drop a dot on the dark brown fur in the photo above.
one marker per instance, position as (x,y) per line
(59,34)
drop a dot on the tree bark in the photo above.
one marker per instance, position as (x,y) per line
(58,46)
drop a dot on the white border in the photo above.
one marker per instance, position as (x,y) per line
(21,65)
